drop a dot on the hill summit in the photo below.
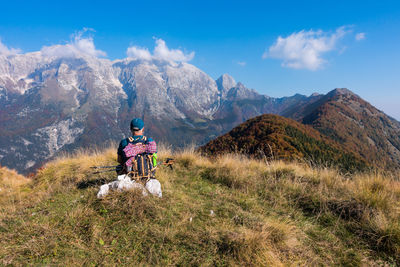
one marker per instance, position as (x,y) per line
(348,119)
(276,137)
(228,210)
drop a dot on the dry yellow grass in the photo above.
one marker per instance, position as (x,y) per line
(11,179)
(10,185)
(263,214)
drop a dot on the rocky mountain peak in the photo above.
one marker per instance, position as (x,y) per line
(341,91)
(347,118)
(224,83)
(242,92)
(240,85)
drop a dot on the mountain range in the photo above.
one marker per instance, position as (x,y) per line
(51,103)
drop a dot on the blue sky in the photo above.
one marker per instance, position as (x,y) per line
(278,48)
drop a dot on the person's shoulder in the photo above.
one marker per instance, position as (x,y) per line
(122,145)
(149,139)
(124,142)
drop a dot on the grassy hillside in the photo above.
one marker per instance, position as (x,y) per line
(359,126)
(213,212)
(276,137)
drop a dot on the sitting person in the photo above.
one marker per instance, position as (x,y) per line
(138,156)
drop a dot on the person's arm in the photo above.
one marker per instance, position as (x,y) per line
(120,160)
(120,152)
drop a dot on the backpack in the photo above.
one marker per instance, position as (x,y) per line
(141,160)
(142,168)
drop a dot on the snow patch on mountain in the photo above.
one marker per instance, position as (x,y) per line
(60,134)
(26,142)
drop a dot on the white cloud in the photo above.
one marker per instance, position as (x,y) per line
(360,36)
(79,45)
(304,49)
(161,52)
(241,63)
(138,53)
(4,50)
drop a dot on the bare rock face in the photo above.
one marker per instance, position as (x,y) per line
(50,103)
(225,82)
(240,92)
(167,86)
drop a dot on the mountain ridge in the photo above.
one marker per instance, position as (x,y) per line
(348,119)
(273,137)
(49,104)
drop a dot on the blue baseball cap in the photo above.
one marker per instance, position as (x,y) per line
(137,124)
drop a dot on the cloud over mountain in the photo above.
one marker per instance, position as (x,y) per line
(79,45)
(83,45)
(305,49)
(139,53)
(161,52)
(4,50)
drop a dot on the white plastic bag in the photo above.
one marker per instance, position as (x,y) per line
(154,187)
(124,182)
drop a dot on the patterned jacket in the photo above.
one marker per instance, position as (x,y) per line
(130,147)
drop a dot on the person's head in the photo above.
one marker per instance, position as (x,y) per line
(137,126)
